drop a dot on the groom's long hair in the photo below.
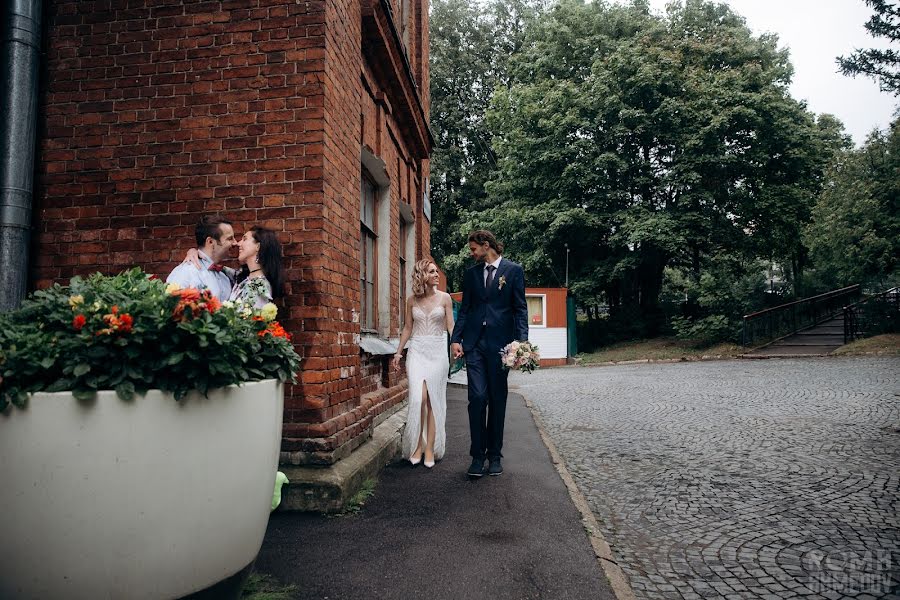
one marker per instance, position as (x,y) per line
(483,236)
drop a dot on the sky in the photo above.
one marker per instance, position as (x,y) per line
(816,32)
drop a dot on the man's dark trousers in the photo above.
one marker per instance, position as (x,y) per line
(487,399)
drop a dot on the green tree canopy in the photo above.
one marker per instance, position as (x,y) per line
(470,46)
(854,236)
(883,65)
(645,141)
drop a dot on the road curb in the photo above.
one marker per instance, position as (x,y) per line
(614,574)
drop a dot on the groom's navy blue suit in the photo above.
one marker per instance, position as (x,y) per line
(488,320)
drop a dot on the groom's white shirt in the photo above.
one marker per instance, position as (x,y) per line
(187,275)
(496,265)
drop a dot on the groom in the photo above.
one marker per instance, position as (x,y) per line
(493,314)
(215,241)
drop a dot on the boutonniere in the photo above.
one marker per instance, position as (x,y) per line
(502,282)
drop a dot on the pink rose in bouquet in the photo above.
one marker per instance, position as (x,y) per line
(523,356)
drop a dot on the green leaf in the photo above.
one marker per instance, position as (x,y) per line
(125,390)
(81,369)
(84,394)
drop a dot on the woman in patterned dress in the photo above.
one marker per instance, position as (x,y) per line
(261,275)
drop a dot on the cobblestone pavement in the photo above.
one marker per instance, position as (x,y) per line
(737,479)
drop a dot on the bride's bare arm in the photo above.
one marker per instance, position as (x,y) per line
(404,335)
(448,312)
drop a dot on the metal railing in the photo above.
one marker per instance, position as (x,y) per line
(874,315)
(789,318)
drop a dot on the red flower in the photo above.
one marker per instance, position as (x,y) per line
(125,323)
(213,304)
(276,330)
(78,322)
(116,323)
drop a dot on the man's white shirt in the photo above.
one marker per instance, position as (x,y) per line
(187,275)
(496,265)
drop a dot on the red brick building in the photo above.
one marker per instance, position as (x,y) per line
(308,117)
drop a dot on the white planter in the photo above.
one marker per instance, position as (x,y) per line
(145,499)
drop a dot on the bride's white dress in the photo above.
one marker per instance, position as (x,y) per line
(427,363)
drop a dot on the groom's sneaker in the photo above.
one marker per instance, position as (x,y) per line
(495,468)
(477,468)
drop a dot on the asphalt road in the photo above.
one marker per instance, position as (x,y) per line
(435,534)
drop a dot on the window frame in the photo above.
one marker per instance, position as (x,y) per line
(543,298)
(368,234)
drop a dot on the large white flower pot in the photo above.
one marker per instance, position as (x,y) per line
(151,498)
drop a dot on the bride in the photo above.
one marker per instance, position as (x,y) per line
(429,316)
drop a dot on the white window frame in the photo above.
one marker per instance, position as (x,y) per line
(543,298)
(377,171)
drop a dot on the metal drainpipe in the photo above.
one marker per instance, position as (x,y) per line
(20,62)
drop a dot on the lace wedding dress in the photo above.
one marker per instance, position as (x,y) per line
(427,364)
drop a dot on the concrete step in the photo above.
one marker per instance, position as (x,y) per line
(810,342)
(789,351)
(818,339)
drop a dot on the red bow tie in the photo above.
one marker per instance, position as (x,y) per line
(216,268)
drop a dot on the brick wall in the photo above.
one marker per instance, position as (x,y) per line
(155,112)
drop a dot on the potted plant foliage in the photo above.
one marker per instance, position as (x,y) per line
(140,426)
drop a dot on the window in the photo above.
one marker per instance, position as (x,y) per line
(403,271)
(537,316)
(367,239)
(404,24)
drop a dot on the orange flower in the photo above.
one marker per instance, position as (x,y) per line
(213,304)
(116,324)
(188,294)
(276,330)
(78,322)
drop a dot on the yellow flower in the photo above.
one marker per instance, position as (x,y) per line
(172,288)
(269,311)
(75,300)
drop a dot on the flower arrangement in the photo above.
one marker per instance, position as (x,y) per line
(131,333)
(523,356)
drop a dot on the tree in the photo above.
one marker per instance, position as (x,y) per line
(645,142)
(470,46)
(854,236)
(881,65)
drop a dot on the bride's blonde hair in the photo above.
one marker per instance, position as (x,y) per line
(420,277)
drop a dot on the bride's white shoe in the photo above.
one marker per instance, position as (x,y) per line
(428,464)
(416,459)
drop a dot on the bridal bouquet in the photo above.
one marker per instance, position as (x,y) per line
(523,356)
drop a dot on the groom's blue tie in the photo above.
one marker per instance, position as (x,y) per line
(490,277)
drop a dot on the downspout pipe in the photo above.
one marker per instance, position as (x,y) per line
(19,72)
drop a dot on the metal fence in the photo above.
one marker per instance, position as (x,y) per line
(789,318)
(874,315)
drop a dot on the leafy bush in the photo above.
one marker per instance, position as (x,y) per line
(131,333)
(716,302)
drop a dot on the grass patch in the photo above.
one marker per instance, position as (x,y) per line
(879,345)
(260,586)
(359,499)
(658,349)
